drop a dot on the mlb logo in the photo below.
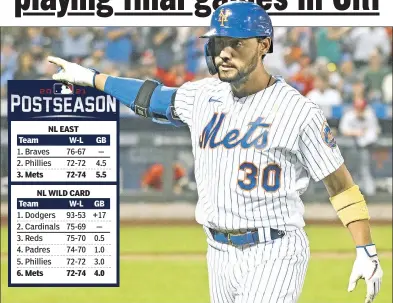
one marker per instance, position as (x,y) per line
(63,89)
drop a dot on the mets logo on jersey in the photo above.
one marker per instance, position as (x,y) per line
(223,16)
(255,136)
(327,135)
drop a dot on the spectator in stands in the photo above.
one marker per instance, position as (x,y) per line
(3,96)
(153,178)
(328,42)
(97,58)
(26,68)
(183,34)
(303,80)
(53,40)
(361,125)
(162,39)
(148,66)
(176,74)
(194,53)
(322,94)
(358,91)
(300,38)
(291,62)
(119,46)
(32,36)
(14,34)
(327,69)
(192,185)
(389,31)
(387,88)
(348,78)
(373,78)
(8,62)
(203,72)
(34,42)
(365,40)
(76,43)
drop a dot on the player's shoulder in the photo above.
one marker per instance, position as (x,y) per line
(205,84)
(306,109)
(302,101)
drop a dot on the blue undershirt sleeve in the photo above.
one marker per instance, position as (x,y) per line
(126,90)
(123,89)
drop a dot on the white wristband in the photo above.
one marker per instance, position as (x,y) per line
(368,251)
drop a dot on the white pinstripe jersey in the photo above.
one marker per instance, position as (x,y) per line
(254,156)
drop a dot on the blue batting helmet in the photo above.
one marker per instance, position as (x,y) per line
(237,20)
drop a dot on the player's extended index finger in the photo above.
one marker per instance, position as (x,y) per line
(58,61)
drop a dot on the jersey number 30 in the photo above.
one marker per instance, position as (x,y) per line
(270,177)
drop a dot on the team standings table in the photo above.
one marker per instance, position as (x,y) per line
(63,185)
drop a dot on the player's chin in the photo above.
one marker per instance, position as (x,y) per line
(228,76)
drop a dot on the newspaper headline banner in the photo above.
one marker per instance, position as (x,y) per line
(190,12)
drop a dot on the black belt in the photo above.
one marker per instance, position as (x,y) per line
(251,237)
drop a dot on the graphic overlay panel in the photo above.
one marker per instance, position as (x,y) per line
(63,185)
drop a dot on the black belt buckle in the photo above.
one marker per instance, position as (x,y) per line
(276,234)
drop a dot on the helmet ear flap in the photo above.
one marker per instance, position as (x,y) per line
(209,57)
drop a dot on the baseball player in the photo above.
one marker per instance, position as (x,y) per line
(256,143)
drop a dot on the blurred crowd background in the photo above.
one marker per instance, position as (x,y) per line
(347,71)
(332,65)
